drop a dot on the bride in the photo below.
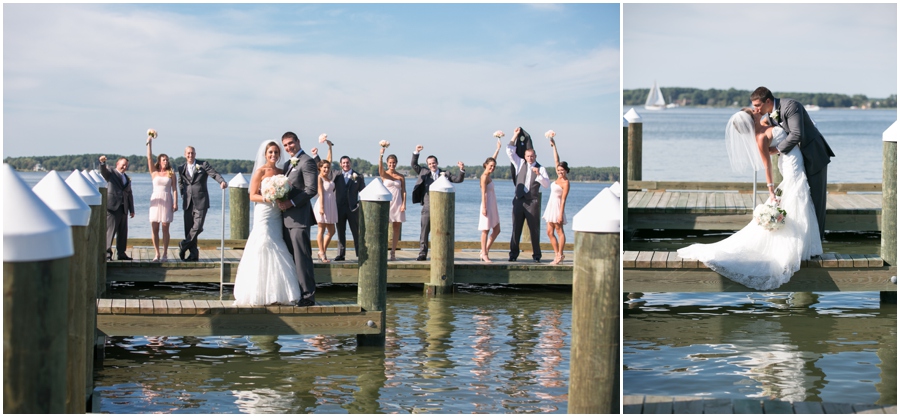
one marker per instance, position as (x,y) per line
(266,274)
(753,256)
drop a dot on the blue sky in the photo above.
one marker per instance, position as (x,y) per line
(93,78)
(831,48)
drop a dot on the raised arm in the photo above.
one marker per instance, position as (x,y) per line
(328,157)
(381,163)
(497,151)
(511,151)
(555,153)
(415,160)
(150,155)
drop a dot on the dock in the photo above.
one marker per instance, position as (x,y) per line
(661,271)
(652,404)
(729,206)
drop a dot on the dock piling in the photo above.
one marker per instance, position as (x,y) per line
(443,208)
(239,212)
(594,369)
(889,195)
(373,235)
(634,147)
(37,253)
(101,233)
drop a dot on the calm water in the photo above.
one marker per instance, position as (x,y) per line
(468,204)
(687,144)
(837,347)
(484,350)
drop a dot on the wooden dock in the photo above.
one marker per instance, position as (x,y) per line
(659,271)
(406,270)
(652,404)
(733,209)
(126,317)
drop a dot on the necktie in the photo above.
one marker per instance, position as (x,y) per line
(527,176)
(434,176)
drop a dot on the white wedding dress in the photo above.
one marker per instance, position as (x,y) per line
(762,259)
(266,274)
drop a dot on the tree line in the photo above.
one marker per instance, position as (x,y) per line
(731,97)
(64,163)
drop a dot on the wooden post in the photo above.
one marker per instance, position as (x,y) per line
(86,290)
(624,180)
(101,233)
(634,147)
(239,207)
(36,256)
(594,369)
(889,196)
(372,258)
(443,208)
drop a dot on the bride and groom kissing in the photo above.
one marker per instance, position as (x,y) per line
(755,256)
(276,267)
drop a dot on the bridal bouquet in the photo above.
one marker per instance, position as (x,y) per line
(150,134)
(499,134)
(384,144)
(323,137)
(275,187)
(550,134)
(769,216)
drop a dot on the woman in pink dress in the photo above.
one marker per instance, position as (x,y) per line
(489,218)
(555,214)
(163,200)
(325,208)
(396,184)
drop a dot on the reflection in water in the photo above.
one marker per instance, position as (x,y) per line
(788,346)
(483,350)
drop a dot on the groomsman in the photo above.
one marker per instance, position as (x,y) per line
(529,177)
(192,178)
(426,176)
(119,202)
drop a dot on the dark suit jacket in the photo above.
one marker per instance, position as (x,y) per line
(346,195)
(424,180)
(118,194)
(304,188)
(521,146)
(193,189)
(803,132)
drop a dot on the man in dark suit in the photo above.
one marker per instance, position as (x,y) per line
(298,215)
(426,176)
(522,144)
(529,176)
(801,131)
(192,178)
(347,185)
(119,202)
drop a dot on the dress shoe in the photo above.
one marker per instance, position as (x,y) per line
(108,255)
(537,261)
(338,258)
(511,259)
(421,257)
(124,257)
(306,302)
(181,250)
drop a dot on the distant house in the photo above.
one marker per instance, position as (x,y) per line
(38,167)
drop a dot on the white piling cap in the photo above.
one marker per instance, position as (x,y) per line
(442,184)
(238,181)
(87,176)
(632,116)
(891,134)
(31,230)
(63,200)
(375,191)
(83,188)
(603,214)
(98,179)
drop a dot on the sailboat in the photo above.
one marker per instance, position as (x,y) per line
(655,100)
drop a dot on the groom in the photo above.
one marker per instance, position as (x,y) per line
(298,215)
(801,130)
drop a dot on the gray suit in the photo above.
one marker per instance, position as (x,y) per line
(195,201)
(119,204)
(424,181)
(299,218)
(801,131)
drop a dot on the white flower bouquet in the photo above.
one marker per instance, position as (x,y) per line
(323,137)
(550,134)
(151,133)
(769,216)
(384,144)
(499,134)
(275,187)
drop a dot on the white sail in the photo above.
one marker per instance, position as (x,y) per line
(655,100)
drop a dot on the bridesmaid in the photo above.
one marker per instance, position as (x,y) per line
(396,184)
(163,200)
(325,208)
(555,215)
(489,218)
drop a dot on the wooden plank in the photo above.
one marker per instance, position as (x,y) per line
(867,409)
(875,261)
(747,406)
(658,260)
(869,187)
(777,407)
(173,307)
(844,261)
(629,259)
(632,404)
(717,406)
(644,259)
(118,306)
(808,407)
(687,405)
(188,307)
(829,260)
(160,307)
(836,408)
(674,261)
(654,404)
(132,306)
(201,307)
(104,306)
(146,306)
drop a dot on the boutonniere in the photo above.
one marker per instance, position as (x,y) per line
(354,176)
(775,115)
(294,161)
(196,169)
